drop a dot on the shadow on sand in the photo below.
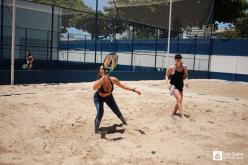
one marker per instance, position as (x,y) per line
(179,115)
(16,94)
(116,128)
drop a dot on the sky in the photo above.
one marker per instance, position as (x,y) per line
(92,3)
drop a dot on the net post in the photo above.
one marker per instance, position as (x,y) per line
(178,41)
(84,47)
(2,32)
(26,41)
(132,46)
(210,53)
(51,50)
(101,51)
(115,34)
(194,51)
(156,48)
(96,29)
(47,44)
(13,43)
(67,51)
(169,33)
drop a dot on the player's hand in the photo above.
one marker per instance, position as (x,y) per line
(137,91)
(186,83)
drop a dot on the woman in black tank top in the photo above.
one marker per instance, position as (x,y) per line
(176,77)
(29,59)
(105,86)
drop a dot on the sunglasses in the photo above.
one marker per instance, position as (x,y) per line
(178,58)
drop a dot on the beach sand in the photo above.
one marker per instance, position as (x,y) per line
(54,124)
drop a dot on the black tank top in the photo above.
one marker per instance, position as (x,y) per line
(29,58)
(102,89)
(177,77)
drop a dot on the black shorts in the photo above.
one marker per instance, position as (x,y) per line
(178,87)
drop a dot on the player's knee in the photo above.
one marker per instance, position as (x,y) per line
(178,98)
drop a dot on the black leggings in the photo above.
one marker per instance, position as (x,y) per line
(110,101)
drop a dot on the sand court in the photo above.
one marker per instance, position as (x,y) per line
(54,124)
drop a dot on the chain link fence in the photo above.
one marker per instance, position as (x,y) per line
(74,33)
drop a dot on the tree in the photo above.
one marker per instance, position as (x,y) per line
(141,31)
(234,12)
(83,17)
(241,26)
(229,33)
(74,14)
(228,11)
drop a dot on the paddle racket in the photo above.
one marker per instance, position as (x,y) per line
(109,63)
(24,66)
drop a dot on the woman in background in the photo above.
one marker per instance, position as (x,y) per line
(176,77)
(29,59)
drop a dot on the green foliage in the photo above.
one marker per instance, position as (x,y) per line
(229,34)
(229,10)
(241,26)
(235,12)
(239,31)
(85,20)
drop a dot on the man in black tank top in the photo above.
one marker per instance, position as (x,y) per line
(176,77)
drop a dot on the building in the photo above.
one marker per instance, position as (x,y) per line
(34,26)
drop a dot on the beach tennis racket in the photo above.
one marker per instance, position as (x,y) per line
(24,66)
(109,63)
(171,89)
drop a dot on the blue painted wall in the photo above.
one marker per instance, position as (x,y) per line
(64,72)
(184,46)
(59,76)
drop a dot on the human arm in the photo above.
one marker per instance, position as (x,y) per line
(167,75)
(186,80)
(98,83)
(123,86)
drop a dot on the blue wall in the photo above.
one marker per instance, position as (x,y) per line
(69,76)
(184,46)
(59,76)
(229,76)
(64,72)
(236,47)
